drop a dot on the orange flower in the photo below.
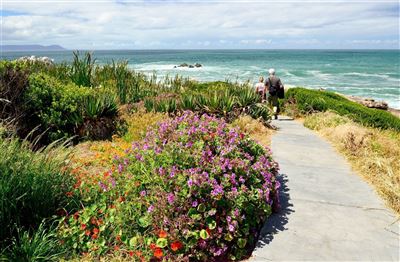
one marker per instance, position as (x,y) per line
(158,253)
(95,231)
(162,234)
(87,232)
(69,194)
(176,246)
(118,238)
(116,248)
(95,236)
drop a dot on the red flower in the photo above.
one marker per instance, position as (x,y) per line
(69,194)
(95,231)
(83,226)
(76,215)
(131,253)
(158,253)
(176,246)
(241,135)
(208,231)
(162,234)
(153,246)
(116,248)
(95,236)
(87,232)
(118,238)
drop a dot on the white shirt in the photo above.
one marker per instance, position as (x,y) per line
(260,86)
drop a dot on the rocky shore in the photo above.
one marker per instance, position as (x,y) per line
(196,65)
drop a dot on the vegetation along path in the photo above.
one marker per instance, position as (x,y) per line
(328,212)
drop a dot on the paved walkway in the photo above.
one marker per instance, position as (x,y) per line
(328,212)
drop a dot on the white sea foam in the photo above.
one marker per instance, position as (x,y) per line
(320,75)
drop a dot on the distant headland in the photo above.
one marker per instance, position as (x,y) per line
(13,48)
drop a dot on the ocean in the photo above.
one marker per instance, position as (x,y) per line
(367,73)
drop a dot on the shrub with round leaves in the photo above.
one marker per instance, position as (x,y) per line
(192,189)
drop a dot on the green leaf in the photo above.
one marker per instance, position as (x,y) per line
(241,242)
(228,237)
(144,221)
(162,242)
(211,223)
(133,241)
(201,208)
(204,234)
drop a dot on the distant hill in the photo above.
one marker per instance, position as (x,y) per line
(10,48)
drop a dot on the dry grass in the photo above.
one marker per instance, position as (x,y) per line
(96,157)
(373,153)
(255,129)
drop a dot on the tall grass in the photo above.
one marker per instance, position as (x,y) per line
(35,245)
(33,186)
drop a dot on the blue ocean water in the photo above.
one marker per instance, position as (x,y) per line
(367,73)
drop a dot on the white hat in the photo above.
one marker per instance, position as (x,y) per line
(271,71)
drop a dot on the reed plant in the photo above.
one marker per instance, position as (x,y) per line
(82,69)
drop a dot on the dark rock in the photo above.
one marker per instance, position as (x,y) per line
(183,65)
(369,102)
(191,66)
(197,65)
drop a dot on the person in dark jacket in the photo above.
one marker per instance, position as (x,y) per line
(273,84)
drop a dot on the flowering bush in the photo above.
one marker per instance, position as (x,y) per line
(192,189)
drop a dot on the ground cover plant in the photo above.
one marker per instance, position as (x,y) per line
(372,152)
(192,189)
(307,101)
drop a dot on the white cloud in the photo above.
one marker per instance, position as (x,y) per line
(75,24)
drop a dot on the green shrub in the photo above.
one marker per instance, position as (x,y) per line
(308,101)
(62,109)
(32,186)
(57,107)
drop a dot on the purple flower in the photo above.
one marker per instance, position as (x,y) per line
(120,168)
(195,203)
(171,198)
(231,228)
(143,193)
(228,219)
(112,180)
(236,212)
(190,182)
(139,157)
(103,186)
(150,209)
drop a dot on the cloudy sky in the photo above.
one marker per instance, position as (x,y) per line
(188,24)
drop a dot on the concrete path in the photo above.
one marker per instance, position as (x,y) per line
(328,212)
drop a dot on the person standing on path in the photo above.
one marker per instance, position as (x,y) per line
(274,86)
(260,88)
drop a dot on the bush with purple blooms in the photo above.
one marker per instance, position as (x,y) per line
(193,189)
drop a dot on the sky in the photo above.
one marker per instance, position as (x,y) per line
(209,24)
